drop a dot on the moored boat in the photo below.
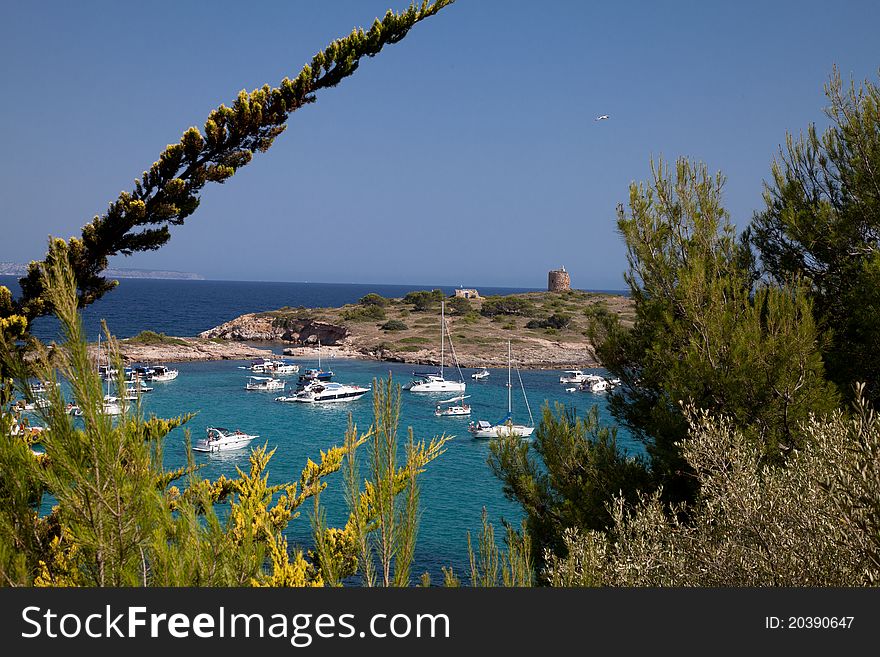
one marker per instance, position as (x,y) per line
(482,374)
(435,382)
(457,407)
(315,373)
(163,373)
(263,383)
(577,376)
(319,392)
(218,439)
(506,427)
(281,367)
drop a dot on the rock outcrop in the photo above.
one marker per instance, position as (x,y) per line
(186,349)
(260,327)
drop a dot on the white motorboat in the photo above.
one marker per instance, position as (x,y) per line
(458,407)
(163,373)
(330,391)
(435,382)
(219,439)
(482,374)
(263,383)
(596,386)
(485,429)
(282,367)
(600,384)
(259,365)
(133,392)
(578,377)
(110,406)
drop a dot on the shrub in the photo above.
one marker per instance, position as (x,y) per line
(152,338)
(458,306)
(812,522)
(423,300)
(555,322)
(363,314)
(373,299)
(394,325)
(493,306)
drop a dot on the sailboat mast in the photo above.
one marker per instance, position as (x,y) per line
(509,387)
(442,331)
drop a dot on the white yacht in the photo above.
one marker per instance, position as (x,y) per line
(259,365)
(263,383)
(281,367)
(482,374)
(484,429)
(577,376)
(110,406)
(600,385)
(596,386)
(435,382)
(457,407)
(133,390)
(326,391)
(219,439)
(162,373)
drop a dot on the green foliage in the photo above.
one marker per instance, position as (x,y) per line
(805,524)
(384,515)
(567,477)
(170,190)
(423,300)
(555,321)
(152,338)
(822,224)
(507,305)
(458,306)
(705,332)
(488,561)
(394,325)
(365,313)
(373,299)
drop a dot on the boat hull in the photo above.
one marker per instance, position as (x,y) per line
(438,386)
(202,446)
(222,440)
(499,430)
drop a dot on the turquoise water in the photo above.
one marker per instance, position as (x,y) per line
(455,487)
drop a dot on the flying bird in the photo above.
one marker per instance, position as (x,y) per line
(601,118)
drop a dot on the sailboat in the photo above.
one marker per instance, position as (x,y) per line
(458,407)
(484,429)
(431,382)
(315,374)
(110,405)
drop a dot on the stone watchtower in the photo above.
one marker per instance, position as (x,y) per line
(558,280)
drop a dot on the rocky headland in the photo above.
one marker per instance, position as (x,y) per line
(546,329)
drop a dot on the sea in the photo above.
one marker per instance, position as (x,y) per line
(455,488)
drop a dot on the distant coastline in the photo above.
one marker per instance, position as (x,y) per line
(18,269)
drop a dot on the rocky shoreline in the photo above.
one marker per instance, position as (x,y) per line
(179,350)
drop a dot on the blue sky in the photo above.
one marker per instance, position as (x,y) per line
(466,154)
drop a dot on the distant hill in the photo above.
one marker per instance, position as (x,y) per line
(17,269)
